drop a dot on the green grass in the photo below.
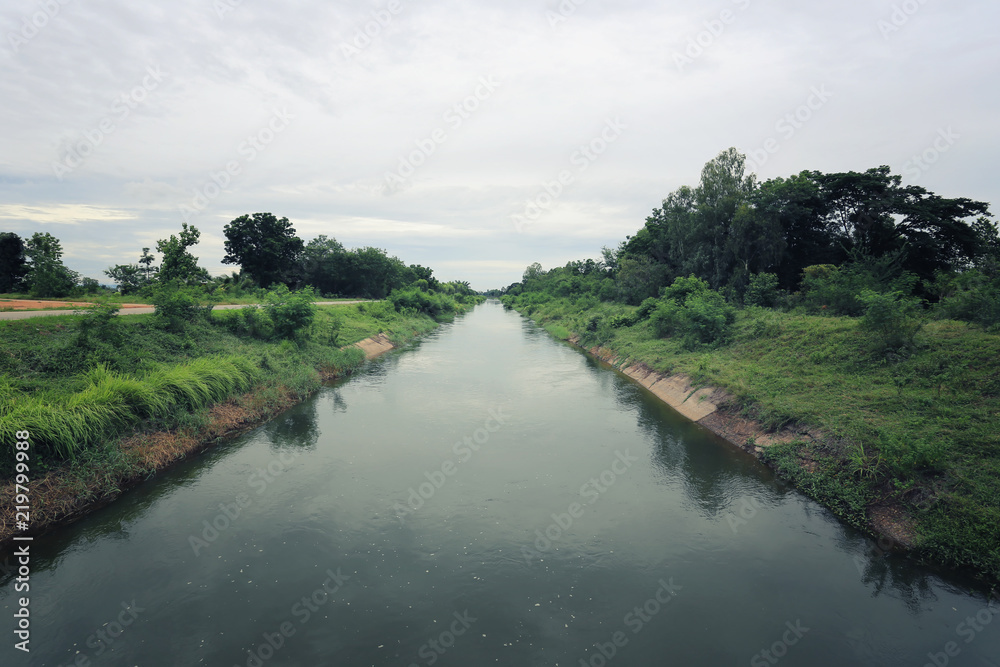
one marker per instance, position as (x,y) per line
(77,392)
(923,430)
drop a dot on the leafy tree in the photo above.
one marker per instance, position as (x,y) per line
(128,277)
(691,309)
(322,264)
(762,290)
(371,273)
(532,272)
(178,264)
(47,275)
(13,264)
(796,207)
(639,278)
(264,246)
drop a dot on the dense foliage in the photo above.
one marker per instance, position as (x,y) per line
(814,242)
(828,303)
(270,257)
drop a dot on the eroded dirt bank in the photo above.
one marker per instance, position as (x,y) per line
(69,492)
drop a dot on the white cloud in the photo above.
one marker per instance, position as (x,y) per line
(354,119)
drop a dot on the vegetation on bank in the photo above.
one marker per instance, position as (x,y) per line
(79,382)
(859,308)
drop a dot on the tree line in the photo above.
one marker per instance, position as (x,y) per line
(812,240)
(264,247)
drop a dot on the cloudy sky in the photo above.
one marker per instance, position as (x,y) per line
(473,137)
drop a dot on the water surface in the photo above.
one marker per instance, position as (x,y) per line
(489,496)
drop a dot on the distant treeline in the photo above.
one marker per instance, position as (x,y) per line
(812,240)
(265,248)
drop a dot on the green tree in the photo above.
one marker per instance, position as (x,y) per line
(128,277)
(322,264)
(795,206)
(179,264)
(13,263)
(264,246)
(47,275)
(148,270)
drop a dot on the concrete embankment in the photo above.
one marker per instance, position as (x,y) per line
(711,407)
(720,413)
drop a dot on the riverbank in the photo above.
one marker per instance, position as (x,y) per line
(234,383)
(906,450)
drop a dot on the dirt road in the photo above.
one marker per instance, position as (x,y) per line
(129,309)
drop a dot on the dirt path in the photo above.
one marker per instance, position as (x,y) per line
(127,309)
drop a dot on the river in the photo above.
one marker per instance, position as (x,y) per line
(488,496)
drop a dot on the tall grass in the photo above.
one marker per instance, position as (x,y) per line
(111,403)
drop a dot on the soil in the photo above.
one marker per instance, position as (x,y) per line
(32,304)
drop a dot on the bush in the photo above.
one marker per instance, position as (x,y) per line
(971,297)
(894,319)
(175,305)
(621,320)
(762,290)
(248,321)
(691,309)
(99,319)
(290,312)
(833,290)
(646,308)
(432,303)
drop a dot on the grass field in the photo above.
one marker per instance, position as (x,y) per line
(77,389)
(921,432)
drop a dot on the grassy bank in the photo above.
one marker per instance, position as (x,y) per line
(110,402)
(917,434)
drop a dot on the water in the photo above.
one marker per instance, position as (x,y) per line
(490,496)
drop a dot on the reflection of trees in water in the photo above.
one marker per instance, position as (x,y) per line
(686,451)
(891,574)
(712,475)
(336,397)
(296,428)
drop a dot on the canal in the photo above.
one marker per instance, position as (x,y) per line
(489,496)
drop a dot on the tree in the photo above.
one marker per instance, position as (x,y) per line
(128,277)
(796,207)
(179,264)
(321,264)
(132,277)
(13,264)
(148,270)
(371,273)
(264,246)
(47,275)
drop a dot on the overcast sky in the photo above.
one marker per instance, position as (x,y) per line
(441,133)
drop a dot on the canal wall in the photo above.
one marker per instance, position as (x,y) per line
(719,412)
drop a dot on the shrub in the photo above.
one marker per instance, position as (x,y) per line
(894,319)
(175,305)
(833,290)
(99,319)
(290,312)
(762,290)
(646,308)
(971,297)
(435,304)
(691,309)
(621,320)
